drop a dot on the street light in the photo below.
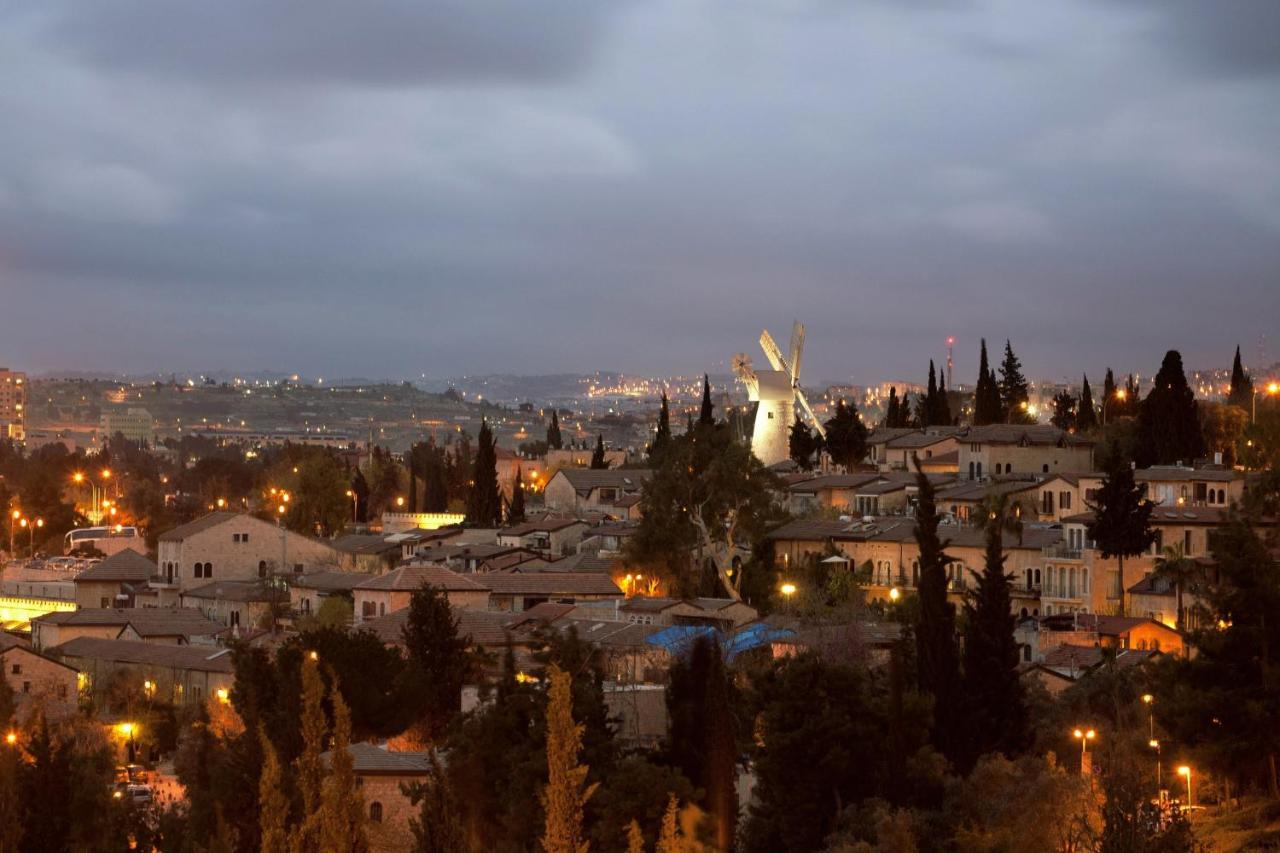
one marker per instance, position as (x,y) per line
(1272,389)
(1084,736)
(1155,744)
(788,589)
(1184,770)
(894,595)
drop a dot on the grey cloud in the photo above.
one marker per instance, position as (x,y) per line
(385,43)
(1235,37)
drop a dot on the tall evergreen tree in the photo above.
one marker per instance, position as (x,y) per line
(435,487)
(410,464)
(484,503)
(1169,428)
(515,512)
(342,806)
(662,438)
(937,656)
(437,656)
(309,771)
(555,441)
(437,828)
(1122,516)
(801,444)
(891,408)
(1241,393)
(987,408)
(846,436)
(598,462)
(926,406)
(706,417)
(940,408)
(1064,410)
(273,801)
(992,688)
(1086,414)
(360,492)
(566,792)
(1109,409)
(1013,388)
(701,741)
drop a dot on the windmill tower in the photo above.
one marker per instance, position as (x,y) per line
(777,392)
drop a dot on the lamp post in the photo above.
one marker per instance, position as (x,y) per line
(1271,390)
(13,519)
(1155,744)
(1149,701)
(1184,770)
(1084,736)
(787,589)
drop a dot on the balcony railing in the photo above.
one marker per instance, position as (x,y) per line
(1066,552)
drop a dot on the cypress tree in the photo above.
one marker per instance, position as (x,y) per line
(273,802)
(801,444)
(701,741)
(1168,419)
(891,408)
(435,489)
(1122,516)
(986,396)
(927,405)
(342,806)
(437,828)
(566,792)
(437,656)
(938,664)
(598,462)
(413,481)
(308,768)
(1109,401)
(992,688)
(360,490)
(706,416)
(1086,414)
(662,438)
(940,414)
(484,503)
(554,440)
(515,513)
(1013,388)
(635,838)
(1241,393)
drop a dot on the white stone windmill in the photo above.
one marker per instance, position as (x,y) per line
(776,391)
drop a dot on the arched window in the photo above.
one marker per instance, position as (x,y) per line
(375,812)
(262,568)
(1037,577)
(970,470)
(1044,469)
(208,570)
(1222,496)
(979,470)
(197,571)
(1024,616)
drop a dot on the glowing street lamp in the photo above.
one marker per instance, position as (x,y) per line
(1272,389)
(1184,770)
(1155,744)
(11,738)
(894,595)
(1084,736)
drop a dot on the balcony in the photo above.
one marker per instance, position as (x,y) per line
(1066,552)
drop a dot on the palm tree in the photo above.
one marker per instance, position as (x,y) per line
(1175,566)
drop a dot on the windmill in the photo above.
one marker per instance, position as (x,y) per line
(776,391)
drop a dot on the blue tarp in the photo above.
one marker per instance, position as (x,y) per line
(677,639)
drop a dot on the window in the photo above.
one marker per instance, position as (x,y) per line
(375,811)
(104,603)
(382,608)
(368,609)
(262,568)
(770,415)
(297,568)
(235,537)
(1046,503)
(244,537)
(306,605)
(17,669)
(208,570)
(26,687)
(1186,543)
(1064,500)
(1044,469)
(235,618)
(197,571)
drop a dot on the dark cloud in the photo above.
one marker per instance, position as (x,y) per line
(390,42)
(307,186)
(1235,37)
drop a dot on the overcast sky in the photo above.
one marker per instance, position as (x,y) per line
(453,186)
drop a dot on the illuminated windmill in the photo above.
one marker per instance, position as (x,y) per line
(776,391)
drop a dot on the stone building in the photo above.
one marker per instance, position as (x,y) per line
(237,547)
